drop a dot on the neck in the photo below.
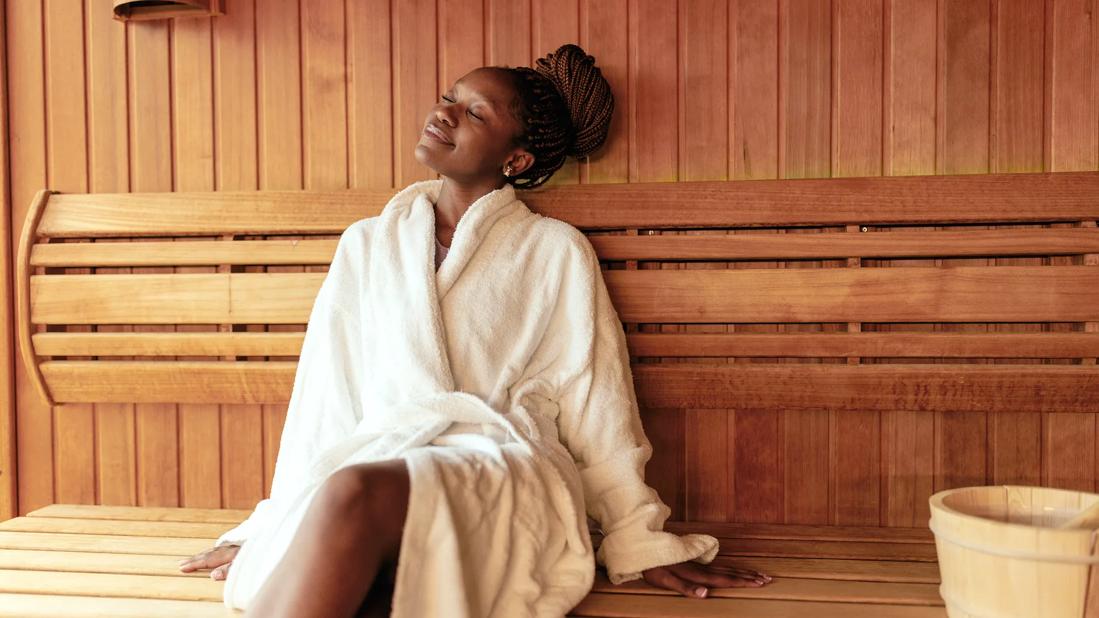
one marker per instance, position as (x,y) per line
(455,198)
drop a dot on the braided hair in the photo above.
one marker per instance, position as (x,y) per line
(564,108)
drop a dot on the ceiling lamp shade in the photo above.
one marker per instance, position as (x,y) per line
(135,10)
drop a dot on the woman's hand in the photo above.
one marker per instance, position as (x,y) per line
(219,558)
(693,579)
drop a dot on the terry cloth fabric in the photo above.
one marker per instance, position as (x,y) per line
(503,380)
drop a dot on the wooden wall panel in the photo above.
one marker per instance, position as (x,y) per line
(290,94)
(8,504)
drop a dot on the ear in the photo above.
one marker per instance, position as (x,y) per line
(520,161)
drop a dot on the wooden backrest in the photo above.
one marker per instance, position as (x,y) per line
(898,272)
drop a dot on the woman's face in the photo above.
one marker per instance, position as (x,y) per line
(469,135)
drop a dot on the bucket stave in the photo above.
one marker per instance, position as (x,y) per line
(1003,552)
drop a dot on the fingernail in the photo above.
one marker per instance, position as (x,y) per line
(700,591)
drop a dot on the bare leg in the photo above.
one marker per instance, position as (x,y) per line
(351,530)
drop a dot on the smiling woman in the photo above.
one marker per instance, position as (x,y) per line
(452,426)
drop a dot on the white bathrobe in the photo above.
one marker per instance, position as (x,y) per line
(503,380)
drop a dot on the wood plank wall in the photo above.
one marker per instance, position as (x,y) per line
(286,94)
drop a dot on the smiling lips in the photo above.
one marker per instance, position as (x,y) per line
(437,134)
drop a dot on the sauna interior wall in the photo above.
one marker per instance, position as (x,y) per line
(289,94)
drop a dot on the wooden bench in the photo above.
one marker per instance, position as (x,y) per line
(874,322)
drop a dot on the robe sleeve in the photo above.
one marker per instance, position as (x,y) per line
(599,423)
(325,405)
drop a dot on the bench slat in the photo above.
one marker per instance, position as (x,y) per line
(190,253)
(900,294)
(795,589)
(142,513)
(867,344)
(846,550)
(827,245)
(744,345)
(977,388)
(947,388)
(802,532)
(97,562)
(836,245)
(116,527)
(51,606)
(661,606)
(191,298)
(837,568)
(110,585)
(167,546)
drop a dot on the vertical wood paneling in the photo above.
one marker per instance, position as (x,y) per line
(108,171)
(27,139)
(193,157)
(324,95)
(964,45)
(703,143)
(156,425)
(804,125)
(242,464)
(1015,145)
(279,125)
(602,35)
(556,22)
(909,110)
(8,501)
(857,37)
(67,169)
(507,32)
(290,94)
(414,83)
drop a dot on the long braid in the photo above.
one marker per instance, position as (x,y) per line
(564,106)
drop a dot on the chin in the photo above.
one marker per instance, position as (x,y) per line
(424,157)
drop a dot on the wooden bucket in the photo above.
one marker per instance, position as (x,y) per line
(1004,553)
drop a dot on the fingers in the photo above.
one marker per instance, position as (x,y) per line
(221,572)
(724,578)
(665,578)
(209,559)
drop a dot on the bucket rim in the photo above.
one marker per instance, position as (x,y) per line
(937,504)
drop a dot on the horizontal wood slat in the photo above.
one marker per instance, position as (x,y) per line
(798,589)
(177,547)
(168,344)
(1065,196)
(142,513)
(113,585)
(661,606)
(963,294)
(102,562)
(946,388)
(191,253)
(1003,242)
(52,606)
(836,568)
(212,213)
(866,344)
(226,298)
(193,530)
(805,345)
(975,198)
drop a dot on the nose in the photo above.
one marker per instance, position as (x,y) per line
(443,113)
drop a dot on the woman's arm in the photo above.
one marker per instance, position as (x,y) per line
(600,424)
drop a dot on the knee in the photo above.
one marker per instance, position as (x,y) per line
(376,493)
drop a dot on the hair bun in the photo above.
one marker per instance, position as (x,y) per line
(586,94)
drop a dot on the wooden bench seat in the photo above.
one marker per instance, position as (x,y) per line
(79,560)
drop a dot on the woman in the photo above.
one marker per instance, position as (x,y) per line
(477,474)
